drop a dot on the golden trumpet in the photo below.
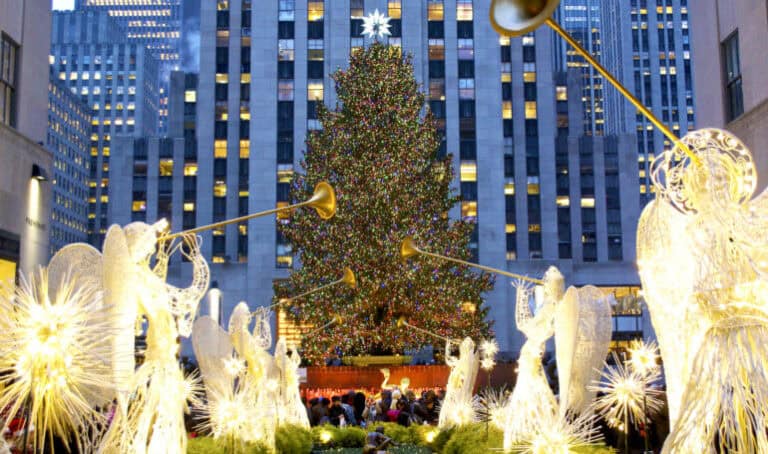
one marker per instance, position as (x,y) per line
(336,319)
(517,17)
(409,249)
(323,200)
(347,278)
(401,322)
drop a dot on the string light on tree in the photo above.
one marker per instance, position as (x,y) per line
(379,151)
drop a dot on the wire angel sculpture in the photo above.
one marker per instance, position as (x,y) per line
(703,260)
(290,408)
(532,395)
(240,377)
(153,420)
(458,407)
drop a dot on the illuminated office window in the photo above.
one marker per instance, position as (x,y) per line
(315,11)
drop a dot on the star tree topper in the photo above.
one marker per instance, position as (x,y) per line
(376,25)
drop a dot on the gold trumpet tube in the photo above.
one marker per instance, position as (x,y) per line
(401,322)
(622,89)
(408,249)
(336,319)
(348,278)
(323,201)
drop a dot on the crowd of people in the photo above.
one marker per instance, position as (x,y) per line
(355,408)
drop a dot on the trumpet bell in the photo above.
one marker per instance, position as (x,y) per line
(408,248)
(324,200)
(349,278)
(401,321)
(517,17)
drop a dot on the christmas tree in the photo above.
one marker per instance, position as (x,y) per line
(378,150)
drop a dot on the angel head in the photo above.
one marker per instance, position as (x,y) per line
(142,238)
(725,173)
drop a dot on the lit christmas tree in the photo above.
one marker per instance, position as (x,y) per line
(379,152)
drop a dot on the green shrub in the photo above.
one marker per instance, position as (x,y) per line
(422,434)
(207,445)
(595,449)
(348,437)
(473,439)
(293,439)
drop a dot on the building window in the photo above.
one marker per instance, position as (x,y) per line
(9,52)
(732,66)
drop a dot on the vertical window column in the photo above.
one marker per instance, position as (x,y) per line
(356,13)
(510,228)
(285,100)
(395,13)
(532,172)
(467,119)
(221,118)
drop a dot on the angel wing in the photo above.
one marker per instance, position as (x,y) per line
(80,263)
(213,348)
(120,276)
(667,274)
(582,338)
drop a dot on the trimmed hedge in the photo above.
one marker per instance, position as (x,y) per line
(470,439)
(292,439)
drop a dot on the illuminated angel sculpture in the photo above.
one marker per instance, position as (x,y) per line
(703,259)
(153,420)
(532,396)
(240,377)
(290,408)
(457,408)
(580,319)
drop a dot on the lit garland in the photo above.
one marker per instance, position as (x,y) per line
(379,153)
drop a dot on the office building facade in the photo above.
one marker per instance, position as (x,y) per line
(69,126)
(541,193)
(25,165)
(731,64)
(647,46)
(583,20)
(118,80)
(154,24)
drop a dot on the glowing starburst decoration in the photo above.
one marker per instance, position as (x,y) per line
(622,392)
(643,357)
(53,348)
(556,434)
(488,350)
(376,25)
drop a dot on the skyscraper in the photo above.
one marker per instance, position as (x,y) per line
(155,24)
(541,193)
(582,19)
(117,79)
(69,128)
(25,165)
(647,46)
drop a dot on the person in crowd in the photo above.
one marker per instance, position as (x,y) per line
(358,402)
(349,410)
(336,411)
(426,410)
(404,417)
(376,441)
(319,411)
(394,413)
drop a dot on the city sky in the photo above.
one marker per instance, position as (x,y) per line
(63,4)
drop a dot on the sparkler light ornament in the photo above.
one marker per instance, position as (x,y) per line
(622,391)
(559,435)
(703,262)
(488,350)
(643,357)
(54,348)
(458,407)
(376,25)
